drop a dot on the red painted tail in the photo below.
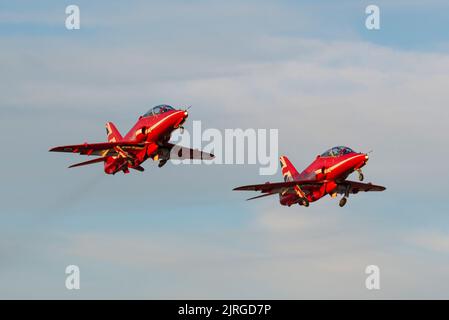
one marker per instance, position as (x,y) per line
(112,132)
(288,170)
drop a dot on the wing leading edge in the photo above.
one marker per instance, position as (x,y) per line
(100,149)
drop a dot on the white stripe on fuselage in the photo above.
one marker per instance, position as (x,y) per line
(166,118)
(340,163)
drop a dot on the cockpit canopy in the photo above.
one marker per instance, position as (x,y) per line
(337,151)
(158,110)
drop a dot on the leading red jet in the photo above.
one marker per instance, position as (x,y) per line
(148,138)
(326,175)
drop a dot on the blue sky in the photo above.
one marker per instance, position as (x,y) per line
(310,70)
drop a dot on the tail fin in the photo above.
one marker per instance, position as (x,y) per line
(112,132)
(288,170)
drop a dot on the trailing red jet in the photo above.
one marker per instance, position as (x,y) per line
(148,138)
(326,175)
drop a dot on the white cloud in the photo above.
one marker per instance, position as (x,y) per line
(293,253)
(434,241)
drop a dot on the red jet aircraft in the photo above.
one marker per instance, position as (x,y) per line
(326,175)
(148,138)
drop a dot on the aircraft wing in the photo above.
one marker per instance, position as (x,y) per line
(100,149)
(277,187)
(106,149)
(355,187)
(181,153)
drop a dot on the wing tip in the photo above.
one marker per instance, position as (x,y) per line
(206,156)
(379,188)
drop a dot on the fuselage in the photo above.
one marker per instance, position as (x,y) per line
(152,129)
(333,166)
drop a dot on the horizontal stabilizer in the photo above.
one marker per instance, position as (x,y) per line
(85,163)
(261,196)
